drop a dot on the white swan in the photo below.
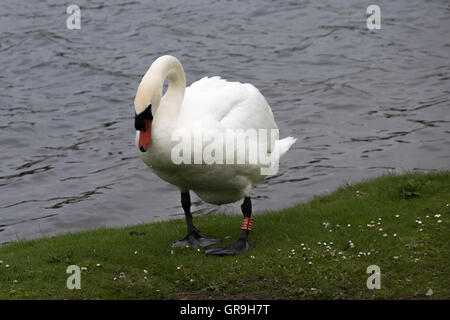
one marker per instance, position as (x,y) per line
(214,107)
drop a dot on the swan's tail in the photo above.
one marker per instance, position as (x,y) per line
(283,145)
(280,148)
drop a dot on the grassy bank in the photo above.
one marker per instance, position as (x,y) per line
(320,249)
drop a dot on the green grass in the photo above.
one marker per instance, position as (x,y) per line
(411,263)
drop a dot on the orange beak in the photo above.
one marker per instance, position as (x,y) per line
(145,136)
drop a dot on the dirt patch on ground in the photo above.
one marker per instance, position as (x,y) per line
(206,294)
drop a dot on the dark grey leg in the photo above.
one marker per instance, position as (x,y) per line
(193,237)
(241,244)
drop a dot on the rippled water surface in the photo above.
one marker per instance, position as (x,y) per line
(360,102)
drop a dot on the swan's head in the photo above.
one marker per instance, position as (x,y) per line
(148,97)
(143,124)
(149,94)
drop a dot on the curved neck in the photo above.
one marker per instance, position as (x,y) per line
(151,86)
(168,67)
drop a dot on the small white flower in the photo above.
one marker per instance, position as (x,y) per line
(145,271)
(1,261)
(310,262)
(380,229)
(192,280)
(395,257)
(99,265)
(136,252)
(394,234)
(397,215)
(145,277)
(385,235)
(302,244)
(439,221)
(252,257)
(15,281)
(115,279)
(437,215)
(83,268)
(7,266)
(349,225)
(172,252)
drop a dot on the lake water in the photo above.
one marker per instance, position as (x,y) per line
(360,102)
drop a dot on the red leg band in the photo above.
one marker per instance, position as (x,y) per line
(247,224)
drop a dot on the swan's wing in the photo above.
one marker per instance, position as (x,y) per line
(221,104)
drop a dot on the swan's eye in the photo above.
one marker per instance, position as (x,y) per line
(139,122)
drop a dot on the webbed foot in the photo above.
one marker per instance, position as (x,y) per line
(239,246)
(194,239)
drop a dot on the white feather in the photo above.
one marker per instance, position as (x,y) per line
(210,103)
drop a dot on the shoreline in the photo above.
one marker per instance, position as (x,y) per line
(319,249)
